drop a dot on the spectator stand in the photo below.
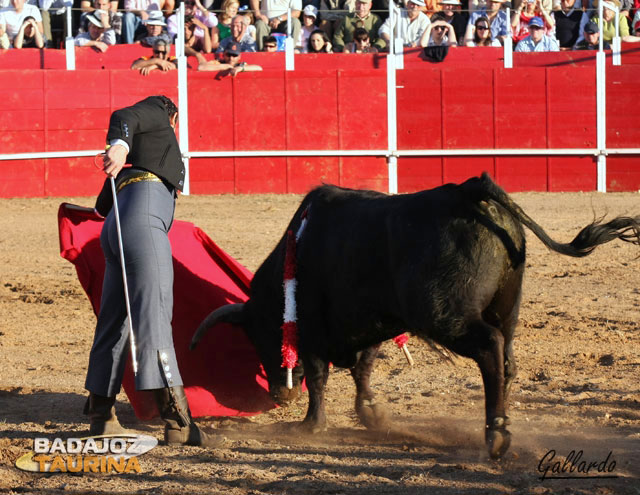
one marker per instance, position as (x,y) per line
(391,63)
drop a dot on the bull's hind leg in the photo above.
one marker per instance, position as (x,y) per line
(485,345)
(371,414)
(316,373)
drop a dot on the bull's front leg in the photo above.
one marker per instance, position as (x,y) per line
(316,374)
(371,414)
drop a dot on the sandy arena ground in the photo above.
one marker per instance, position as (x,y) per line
(578,388)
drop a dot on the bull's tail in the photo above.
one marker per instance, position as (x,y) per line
(624,228)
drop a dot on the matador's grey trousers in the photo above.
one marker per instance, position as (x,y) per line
(146,215)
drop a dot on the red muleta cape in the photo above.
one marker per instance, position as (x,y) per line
(223,375)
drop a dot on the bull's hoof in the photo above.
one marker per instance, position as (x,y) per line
(372,415)
(498,442)
(310,427)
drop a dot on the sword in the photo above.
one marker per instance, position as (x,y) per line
(116,212)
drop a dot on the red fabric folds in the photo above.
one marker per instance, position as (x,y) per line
(223,375)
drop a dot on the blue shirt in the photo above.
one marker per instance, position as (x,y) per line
(247,44)
(546,44)
(499,26)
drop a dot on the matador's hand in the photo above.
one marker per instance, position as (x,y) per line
(114,160)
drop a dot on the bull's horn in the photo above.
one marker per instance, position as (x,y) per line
(230,313)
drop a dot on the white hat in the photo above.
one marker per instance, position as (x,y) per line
(311,11)
(418,2)
(450,2)
(95,18)
(155,18)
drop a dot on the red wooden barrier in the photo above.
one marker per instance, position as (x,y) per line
(330,102)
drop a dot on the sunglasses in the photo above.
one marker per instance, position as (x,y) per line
(271,46)
(534,28)
(482,28)
(439,28)
(158,52)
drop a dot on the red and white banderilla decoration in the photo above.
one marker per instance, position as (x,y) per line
(290,325)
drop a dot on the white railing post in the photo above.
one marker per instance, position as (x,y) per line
(616,42)
(289,43)
(392,131)
(183,101)
(601,108)
(69,46)
(508,44)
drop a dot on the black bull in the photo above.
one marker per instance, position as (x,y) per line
(445,264)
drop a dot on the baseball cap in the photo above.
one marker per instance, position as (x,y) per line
(450,2)
(418,2)
(591,28)
(536,21)
(156,18)
(311,11)
(233,48)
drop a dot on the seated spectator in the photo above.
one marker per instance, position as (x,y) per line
(568,21)
(160,60)
(635,24)
(239,37)
(96,35)
(361,17)
(528,10)
(332,12)
(498,22)
(231,63)
(272,17)
(270,44)
(54,20)
(309,17)
(482,34)
(412,23)
(203,20)
(229,11)
(609,23)
(439,32)
(137,11)
(28,35)
(318,42)
(111,18)
(591,39)
(247,17)
(361,43)
(537,41)
(192,28)
(154,25)
(12,18)
(455,17)
(626,6)
(431,7)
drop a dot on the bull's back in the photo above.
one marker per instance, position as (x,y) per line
(374,259)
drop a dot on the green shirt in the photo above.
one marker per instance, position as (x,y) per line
(344,31)
(609,28)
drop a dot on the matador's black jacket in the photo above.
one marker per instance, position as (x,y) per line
(152,144)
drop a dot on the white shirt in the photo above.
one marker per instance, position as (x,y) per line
(11,20)
(108,37)
(275,8)
(410,32)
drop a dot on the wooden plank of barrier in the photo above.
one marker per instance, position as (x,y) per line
(419,104)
